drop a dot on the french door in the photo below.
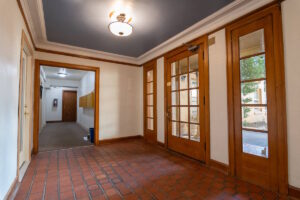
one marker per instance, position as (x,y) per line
(185,103)
(150,131)
(255,103)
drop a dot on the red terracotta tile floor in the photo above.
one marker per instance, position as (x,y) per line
(128,170)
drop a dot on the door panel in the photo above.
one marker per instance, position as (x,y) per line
(69,106)
(185,88)
(150,132)
(254,103)
(24,132)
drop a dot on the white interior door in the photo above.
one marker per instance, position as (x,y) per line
(24,132)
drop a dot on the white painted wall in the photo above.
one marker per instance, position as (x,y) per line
(291,38)
(218,98)
(120,92)
(11,25)
(85,116)
(160,100)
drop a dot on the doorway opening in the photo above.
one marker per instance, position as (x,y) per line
(66,106)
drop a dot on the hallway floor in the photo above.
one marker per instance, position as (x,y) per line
(62,135)
(128,170)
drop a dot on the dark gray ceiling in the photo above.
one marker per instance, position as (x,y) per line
(84,23)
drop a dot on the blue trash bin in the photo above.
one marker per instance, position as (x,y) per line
(92,135)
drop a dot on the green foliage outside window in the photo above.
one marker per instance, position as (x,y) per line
(251,68)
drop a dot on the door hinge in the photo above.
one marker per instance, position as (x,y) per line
(204,100)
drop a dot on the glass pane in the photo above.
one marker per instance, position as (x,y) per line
(194,80)
(150,99)
(253,68)
(184,114)
(194,97)
(194,114)
(150,124)
(175,98)
(150,76)
(183,82)
(252,43)
(184,130)
(175,113)
(183,66)
(195,132)
(255,143)
(175,129)
(255,118)
(174,68)
(150,111)
(184,97)
(149,88)
(193,61)
(254,92)
(174,81)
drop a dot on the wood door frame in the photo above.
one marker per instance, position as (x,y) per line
(201,40)
(62,104)
(148,65)
(24,44)
(38,64)
(274,12)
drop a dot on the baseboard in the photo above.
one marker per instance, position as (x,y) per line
(108,141)
(11,189)
(294,192)
(58,121)
(221,167)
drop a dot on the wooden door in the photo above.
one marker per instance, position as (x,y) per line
(185,103)
(69,107)
(150,130)
(255,103)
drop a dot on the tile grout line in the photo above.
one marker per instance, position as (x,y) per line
(107,175)
(46,177)
(82,176)
(92,171)
(34,175)
(70,174)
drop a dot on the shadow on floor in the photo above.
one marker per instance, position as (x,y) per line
(61,136)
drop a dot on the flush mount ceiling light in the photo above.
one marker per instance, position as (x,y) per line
(120,27)
(62,73)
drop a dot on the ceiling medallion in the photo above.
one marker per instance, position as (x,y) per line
(120,27)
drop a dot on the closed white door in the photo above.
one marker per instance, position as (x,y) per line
(24,132)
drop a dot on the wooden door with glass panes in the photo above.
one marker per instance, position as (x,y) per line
(150,102)
(255,103)
(185,101)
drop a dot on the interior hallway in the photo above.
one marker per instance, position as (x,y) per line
(128,170)
(62,135)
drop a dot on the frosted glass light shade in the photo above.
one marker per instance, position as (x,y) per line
(121,29)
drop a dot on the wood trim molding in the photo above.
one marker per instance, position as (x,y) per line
(294,192)
(274,12)
(221,167)
(85,57)
(120,139)
(38,63)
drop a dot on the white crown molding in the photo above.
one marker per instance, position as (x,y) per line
(223,16)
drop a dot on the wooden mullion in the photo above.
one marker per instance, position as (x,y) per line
(252,55)
(255,130)
(253,80)
(254,105)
